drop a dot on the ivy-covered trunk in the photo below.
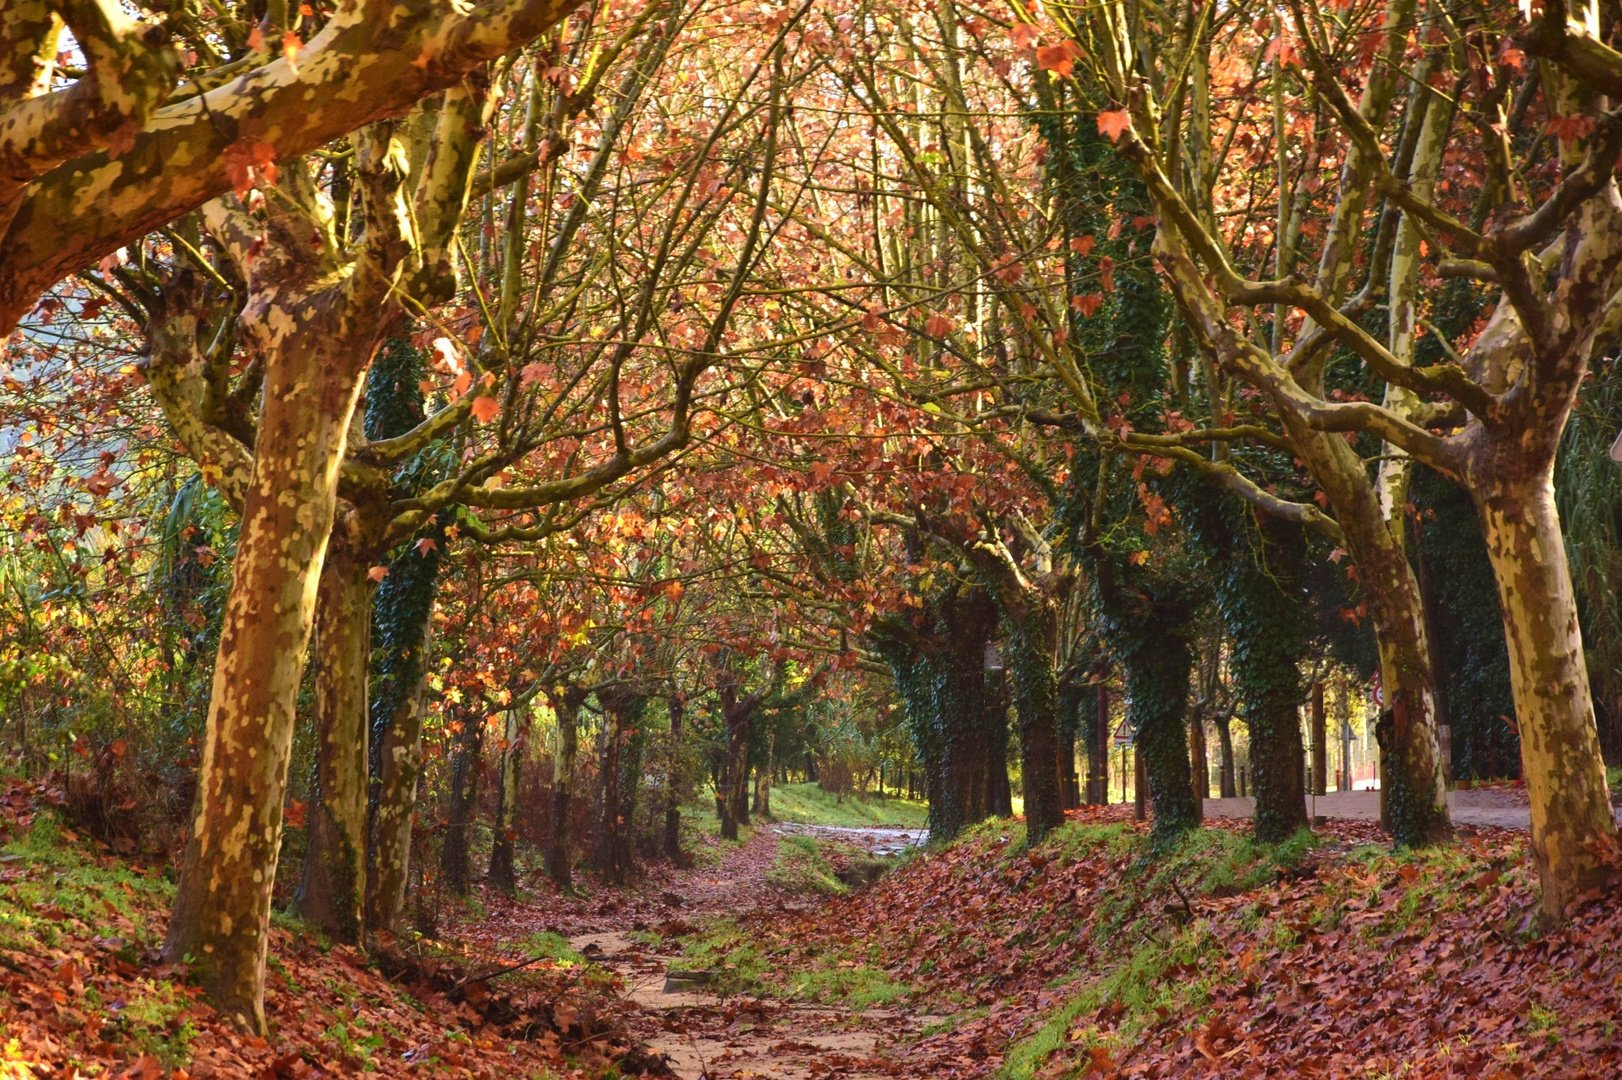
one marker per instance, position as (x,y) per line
(940,673)
(332,890)
(566,704)
(402,622)
(455,866)
(1157,685)
(1033,630)
(1572,818)
(1257,574)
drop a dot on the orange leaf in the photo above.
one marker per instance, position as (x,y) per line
(1112,122)
(1055,58)
(378,573)
(485,408)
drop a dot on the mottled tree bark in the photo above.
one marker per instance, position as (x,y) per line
(68,200)
(566,702)
(332,891)
(613,842)
(222,906)
(502,874)
(455,862)
(1572,818)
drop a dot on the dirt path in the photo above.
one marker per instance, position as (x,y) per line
(707,1036)
(1504,808)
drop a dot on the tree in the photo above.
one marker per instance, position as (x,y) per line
(1491,417)
(94,165)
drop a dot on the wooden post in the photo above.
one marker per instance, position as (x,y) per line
(1320,742)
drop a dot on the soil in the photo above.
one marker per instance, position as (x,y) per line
(707,1035)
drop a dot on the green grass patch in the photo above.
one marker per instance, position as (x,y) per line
(801,867)
(62,884)
(1163,971)
(808,804)
(551,945)
(724,948)
(852,987)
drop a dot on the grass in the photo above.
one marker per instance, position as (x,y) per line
(61,885)
(1207,862)
(808,804)
(855,988)
(801,867)
(729,951)
(551,945)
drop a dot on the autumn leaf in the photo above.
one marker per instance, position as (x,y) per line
(1571,129)
(291,44)
(378,573)
(1112,122)
(1087,304)
(250,163)
(1023,35)
(485,408)
(1059,59)
(1081,245)
(938,325)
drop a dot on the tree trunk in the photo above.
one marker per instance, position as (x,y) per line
(673,788)
(559,855)
(1199,770)
(1033,625)
(502,873)
(332,890)
(613,854)
(455,865)
(1157,685)
(221,917)
(1098,751)
(763,781)
(1224,726)
(732,793)
(398,766)
(1572,819)
(1320,740)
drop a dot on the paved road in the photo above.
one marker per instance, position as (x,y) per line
(1505,808)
